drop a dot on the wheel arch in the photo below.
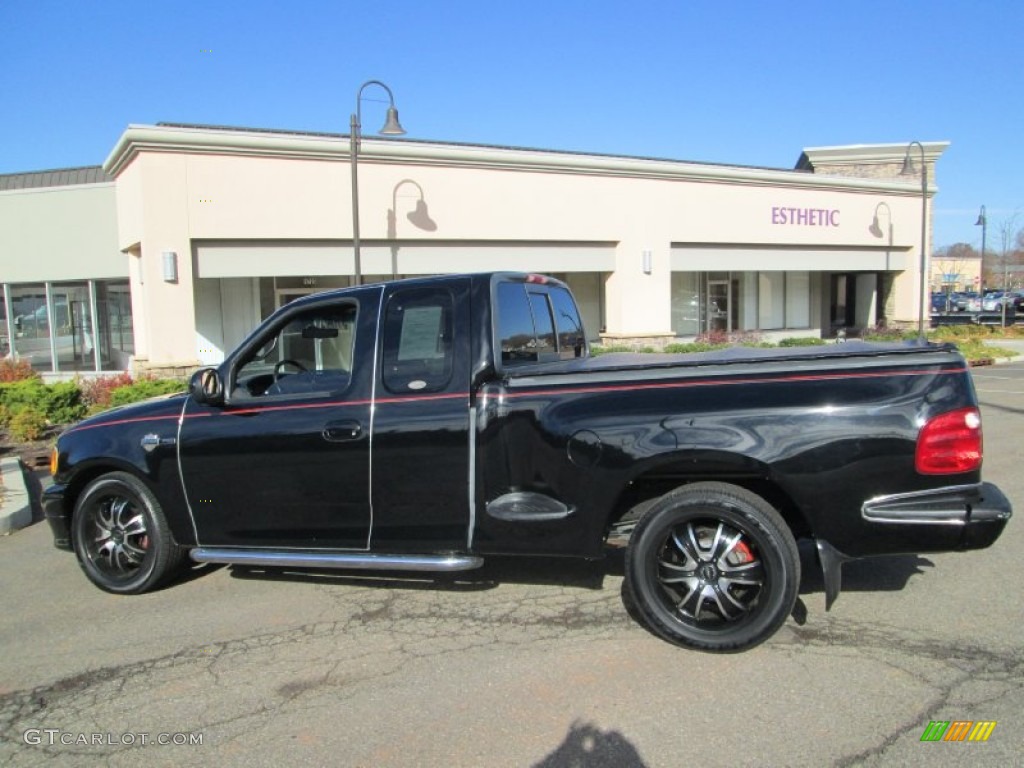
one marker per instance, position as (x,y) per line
(86,473)
(665,473)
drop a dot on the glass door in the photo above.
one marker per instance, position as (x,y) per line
(719,306)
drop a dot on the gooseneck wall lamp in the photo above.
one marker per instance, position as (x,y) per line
(419,217)
(908,170)
(983,223)
(391,128)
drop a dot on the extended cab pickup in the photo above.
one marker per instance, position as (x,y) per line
(426,424)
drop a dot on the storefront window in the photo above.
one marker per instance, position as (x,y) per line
(748,302)
(686,303)
(72,327)
(798,299)
(31,332)
(116,334)
(771,298)
(5,336)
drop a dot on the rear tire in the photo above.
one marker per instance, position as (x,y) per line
(121,536)
(712,566)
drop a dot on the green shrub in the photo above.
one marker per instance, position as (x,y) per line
(18,396)
(59,403)
(694,346)
(28,425)
(145,389)
(64,403)
(801,341)
(5,415)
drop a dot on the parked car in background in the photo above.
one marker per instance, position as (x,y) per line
(941,302)
(993,302)
(963,298)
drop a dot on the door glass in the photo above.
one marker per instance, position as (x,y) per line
(418,341)
(72,327)
(311,354)
(31,332)
(718,307)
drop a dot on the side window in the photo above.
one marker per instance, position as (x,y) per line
(571,338)
(537,323)
(311,354)
(544,324)
(516,334)
(418,351)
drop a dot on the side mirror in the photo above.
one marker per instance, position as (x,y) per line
(207,387)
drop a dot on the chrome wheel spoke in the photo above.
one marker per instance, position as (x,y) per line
(119,546)
(748,574)
(687,547)
(135,527)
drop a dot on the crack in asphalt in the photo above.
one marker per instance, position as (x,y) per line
(890,645)
(396,633)
(386,631)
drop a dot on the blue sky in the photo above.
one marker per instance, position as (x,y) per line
(750,83)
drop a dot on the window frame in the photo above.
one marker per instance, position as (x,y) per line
(539,287)
(390,333)
(262,334)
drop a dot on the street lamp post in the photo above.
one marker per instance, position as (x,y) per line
(908,169)
(983,223)
(391,128)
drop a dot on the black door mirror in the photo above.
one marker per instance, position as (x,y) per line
(207,387)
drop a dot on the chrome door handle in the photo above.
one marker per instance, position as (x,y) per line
(342,431)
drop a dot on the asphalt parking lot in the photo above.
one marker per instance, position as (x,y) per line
(521,663)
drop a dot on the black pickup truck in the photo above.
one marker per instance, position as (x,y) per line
(426,424)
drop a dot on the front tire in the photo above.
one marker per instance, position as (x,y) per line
(121,537)
(713,567)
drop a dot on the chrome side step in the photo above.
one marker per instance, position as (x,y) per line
(358,561)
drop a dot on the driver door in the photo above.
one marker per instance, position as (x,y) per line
(285,462)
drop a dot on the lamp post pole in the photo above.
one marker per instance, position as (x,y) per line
(983,223)
(391,128)
(908,168)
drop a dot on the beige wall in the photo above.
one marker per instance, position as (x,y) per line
(60,233)
(235,203)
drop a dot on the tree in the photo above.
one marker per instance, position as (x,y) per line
(955,268)
(1003,267)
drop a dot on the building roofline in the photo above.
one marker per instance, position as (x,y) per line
(169,137)
(55,177)
(867,154)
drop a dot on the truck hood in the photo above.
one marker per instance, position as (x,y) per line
(156,408)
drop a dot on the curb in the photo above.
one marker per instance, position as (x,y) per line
(16,508)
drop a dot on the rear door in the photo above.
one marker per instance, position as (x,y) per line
(421,463)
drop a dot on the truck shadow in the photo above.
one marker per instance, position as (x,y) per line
(877,574)
(887,573)
(561,572)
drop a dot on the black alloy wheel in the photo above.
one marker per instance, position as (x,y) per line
(714,567)
(121,537)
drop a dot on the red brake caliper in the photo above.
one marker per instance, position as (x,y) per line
(743,552)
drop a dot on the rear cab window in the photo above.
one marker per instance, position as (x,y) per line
(537,321)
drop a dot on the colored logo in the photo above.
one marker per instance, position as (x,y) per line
(958,730)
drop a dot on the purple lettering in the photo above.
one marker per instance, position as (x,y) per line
(805,217)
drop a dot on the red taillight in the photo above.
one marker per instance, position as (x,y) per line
(950,443)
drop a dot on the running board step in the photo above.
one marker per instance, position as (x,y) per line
(353,561)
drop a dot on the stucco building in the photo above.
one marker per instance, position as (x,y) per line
(196,233)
